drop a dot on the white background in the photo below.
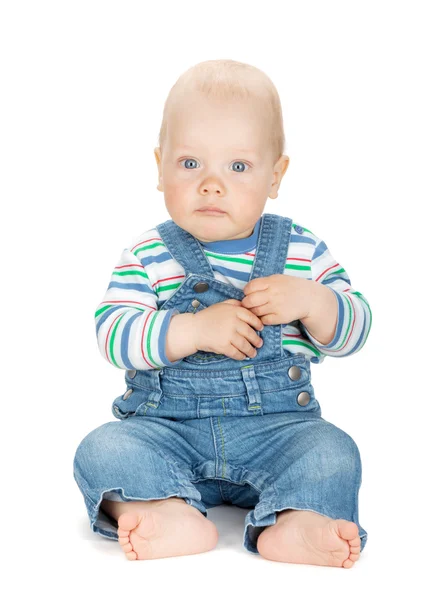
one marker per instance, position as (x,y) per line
(83,88)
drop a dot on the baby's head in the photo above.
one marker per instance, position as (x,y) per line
(221,145)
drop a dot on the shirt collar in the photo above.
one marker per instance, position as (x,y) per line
(234,246)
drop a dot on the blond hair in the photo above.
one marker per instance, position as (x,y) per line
(227,80)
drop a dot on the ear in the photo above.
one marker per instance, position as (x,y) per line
(157,154)
(279,171)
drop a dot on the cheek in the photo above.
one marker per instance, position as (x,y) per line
(177,190)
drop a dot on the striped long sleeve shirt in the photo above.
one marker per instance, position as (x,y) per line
(131,331)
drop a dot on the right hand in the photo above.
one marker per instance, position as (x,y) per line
(227,328)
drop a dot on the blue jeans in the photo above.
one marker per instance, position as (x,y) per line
(268,462)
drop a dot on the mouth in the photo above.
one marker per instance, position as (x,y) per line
(211,211)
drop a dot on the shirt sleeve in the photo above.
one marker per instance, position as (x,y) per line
(354,314)
(131,331)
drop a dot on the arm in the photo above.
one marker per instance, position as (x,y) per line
(131,331)
(339,318)
(179,341)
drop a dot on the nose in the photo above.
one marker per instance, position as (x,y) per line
(210,187)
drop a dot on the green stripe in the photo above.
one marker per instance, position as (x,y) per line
(164,288)
(330,273)
(349,322)
(147,247)
(101,310)
(112,342)
(148,338)
(98,312)
(298,267)
(305,345)
(224,257)
(122,273)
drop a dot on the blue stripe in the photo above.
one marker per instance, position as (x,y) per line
(340,277)
(156,259)
(162,337)
(231,272)
(139,287)
(106,314)
(301,239)
(319,250)
(125,340)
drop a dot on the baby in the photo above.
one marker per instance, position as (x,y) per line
(216,315)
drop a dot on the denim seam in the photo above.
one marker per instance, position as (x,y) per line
(293,360)
(270,508)
(223,448)
(294,388)
(224,407)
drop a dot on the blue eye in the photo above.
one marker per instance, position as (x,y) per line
(240,163)
(189,162)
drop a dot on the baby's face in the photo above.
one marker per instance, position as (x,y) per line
(217,155)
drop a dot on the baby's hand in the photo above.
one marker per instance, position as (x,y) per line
(227,328)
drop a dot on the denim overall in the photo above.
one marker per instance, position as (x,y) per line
(214,430)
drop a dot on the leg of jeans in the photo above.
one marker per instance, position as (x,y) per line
(131,460)
(305,464)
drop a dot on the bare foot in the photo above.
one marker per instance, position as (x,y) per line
(163,528)
(305,537)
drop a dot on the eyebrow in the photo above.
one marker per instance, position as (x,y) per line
(241,150)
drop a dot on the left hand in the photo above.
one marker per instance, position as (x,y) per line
(278,299)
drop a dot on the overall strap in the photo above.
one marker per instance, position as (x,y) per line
(184,248)
(272,247)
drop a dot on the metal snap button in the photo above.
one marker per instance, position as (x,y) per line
(201,287)
(294,373)
(131,373)
(195,303)
(303,398)
(127,394)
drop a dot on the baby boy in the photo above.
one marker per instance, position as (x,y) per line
(215,315)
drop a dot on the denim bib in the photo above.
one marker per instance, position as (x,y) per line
(207,384)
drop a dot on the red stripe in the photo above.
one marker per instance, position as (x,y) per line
(332,267)
(296,258)
(145,241)
(123,266)
(127,302)
(293,335)
(168,279)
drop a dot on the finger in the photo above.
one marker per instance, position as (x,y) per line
(269,319)
(248,317)
(255,299)
(236,354)
(251,335)
(240,342)
(262,310)
(258,284)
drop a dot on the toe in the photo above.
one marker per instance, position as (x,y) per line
(127,522)
(347,564)
(127,548)
(347,530)
(124,540)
